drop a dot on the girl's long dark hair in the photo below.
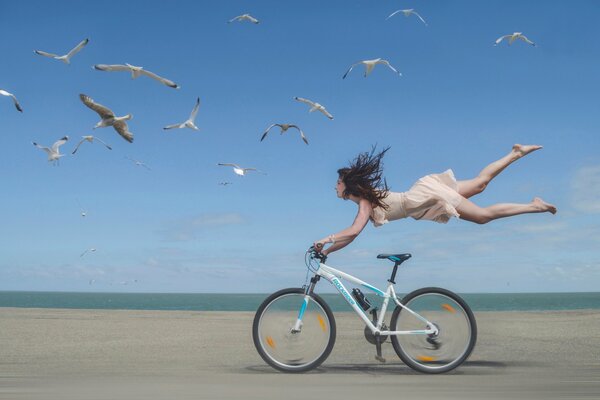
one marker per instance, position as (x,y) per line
(363,178)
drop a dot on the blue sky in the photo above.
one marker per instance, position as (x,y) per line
(461,103)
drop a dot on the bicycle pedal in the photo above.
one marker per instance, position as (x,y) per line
(380,359)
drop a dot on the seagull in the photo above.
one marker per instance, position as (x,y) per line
(83,211)
(67,57)
(53,153)
(237,169)
(189,123)
(225,183)
(136,72)
(284,127)
(90,138)
(407,13)
(513,37)
(5,93)
(314,106)
(369,65)
(109,119)
(138,163)
(244,17)
(87,251)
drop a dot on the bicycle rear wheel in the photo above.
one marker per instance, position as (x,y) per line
(285,349)
(434,353)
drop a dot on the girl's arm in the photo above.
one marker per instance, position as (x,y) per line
(345,237)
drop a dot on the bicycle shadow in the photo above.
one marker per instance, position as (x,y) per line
(396,368)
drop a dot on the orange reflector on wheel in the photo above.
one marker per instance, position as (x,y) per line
(449,308)
(270,342)
(322,323)
(425,358)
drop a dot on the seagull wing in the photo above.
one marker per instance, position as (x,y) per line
(524,38)
(123,130)
(14,98)
(78,144)
(43,53)
(78,48)
(305,101)
(350,69)
(264,135)
(160,79)
(326,113)
(392,14)
(101,141)
(195,110)
(421,18)
(234,19)
(302,136)
(228,165)
(385,62)
(103,111)
(174,126)
(501,38)
(113,67)
(59,143)
(46,149)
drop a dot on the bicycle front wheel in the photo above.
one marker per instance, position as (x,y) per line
(282,346)
(457,330)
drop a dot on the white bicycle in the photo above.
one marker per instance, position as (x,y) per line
(432,329)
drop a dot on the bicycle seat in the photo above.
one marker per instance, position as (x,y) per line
(397,258)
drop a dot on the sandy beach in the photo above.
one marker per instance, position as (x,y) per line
(97,354)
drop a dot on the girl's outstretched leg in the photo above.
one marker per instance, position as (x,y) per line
(478,184)
(469,211)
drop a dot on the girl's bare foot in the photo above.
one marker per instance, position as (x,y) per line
(543,206)
(524,149)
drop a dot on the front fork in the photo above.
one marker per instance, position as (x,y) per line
(308,290)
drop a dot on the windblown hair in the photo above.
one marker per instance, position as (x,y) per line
(363,178)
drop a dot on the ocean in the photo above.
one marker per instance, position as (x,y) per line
(250,302)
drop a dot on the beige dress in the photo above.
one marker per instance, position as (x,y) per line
(433,197)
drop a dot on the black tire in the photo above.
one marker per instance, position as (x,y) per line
(326,323)
(430,364)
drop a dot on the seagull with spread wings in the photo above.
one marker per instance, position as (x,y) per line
(511,38)
(244,17)
(67,57)
(314,106)
(17,105)
(407,13)
(91,250)
(138,163)
(136,72)
(369,65)
(284,128)
(189,123)
(54,152)
(89,138)
(237,169)
(108,118)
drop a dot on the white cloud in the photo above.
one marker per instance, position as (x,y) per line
(586,189)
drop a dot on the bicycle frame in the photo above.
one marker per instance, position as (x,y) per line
(333,276)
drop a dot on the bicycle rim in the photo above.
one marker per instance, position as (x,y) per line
(441,352)
(292,351)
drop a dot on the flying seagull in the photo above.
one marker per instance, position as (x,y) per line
(513,37)
(244,17)
(87,251)
(314,106)
(225,183)
(284,127)
(369,65)
(53,153)
(109,119)
(136,72)
(189,123)
(407,13)
(67,57)
(237,169)
(138,163)
(5,93)
(89,138)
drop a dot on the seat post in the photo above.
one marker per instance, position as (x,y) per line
(393,277)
